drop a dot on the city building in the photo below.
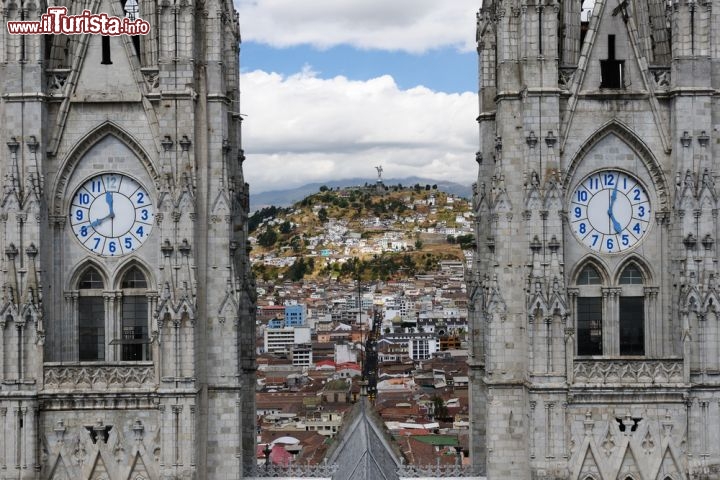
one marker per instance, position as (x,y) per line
(282,340)
(595,298)
(295,315)
(127,303)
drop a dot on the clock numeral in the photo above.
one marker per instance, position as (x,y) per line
(610,244)
(582,228)
(595,238)
(578,212)
(84,231)
(625,240)
(84,198)
(641,211)
(112,182)
(637,194)
(144,214)
(140,232)
(97,243)
(609,179)
(636,228)
(96,186)
(79,215)
(582,196)
(112,247)
(140,196)
(128,243)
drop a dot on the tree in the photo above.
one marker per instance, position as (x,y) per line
(324,188)
(418,244)
(285,227)
(323,215)
(268,238)
(439,409)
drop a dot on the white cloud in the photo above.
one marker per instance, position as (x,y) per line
(302,129)
(407,25)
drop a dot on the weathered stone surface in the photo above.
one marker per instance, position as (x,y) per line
(103,375)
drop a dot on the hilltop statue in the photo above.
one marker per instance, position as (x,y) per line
(379,170)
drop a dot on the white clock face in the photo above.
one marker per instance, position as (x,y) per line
(111,214)
(609,211)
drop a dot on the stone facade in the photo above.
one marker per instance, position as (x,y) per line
(138,364)
(568,94)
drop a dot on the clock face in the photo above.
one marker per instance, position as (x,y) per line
(111,214)
(609,211)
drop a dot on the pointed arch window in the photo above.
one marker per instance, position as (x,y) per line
(91,316)
(632,311)
(134,339)
(589,312)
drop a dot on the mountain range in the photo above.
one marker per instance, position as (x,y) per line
(285,198)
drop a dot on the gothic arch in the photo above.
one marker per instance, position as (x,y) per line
(644,268)
(593,261)
(637,145)
(126,266)
(81,268)
(59,194)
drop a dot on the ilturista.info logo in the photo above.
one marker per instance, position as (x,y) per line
(57,22)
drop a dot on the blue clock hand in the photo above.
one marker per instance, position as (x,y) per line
(109,200)
(615,223)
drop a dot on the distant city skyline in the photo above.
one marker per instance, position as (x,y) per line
(330,90)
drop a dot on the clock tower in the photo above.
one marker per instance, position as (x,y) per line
(127,304)
(596,324)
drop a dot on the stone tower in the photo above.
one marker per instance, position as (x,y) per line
(596,331)
(126,311)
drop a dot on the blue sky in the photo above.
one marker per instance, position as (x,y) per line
(332,88)
(445,69)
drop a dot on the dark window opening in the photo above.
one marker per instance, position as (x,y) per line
(612,70)
(91,323)
(131,10)
(589,327)
(106,60)
(632,326)
(135,328)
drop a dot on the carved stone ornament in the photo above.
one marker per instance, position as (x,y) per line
(99,377)
(628,372)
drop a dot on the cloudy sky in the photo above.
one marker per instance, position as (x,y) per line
(332,88)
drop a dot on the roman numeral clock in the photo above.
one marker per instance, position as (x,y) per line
(609,211)
(111,214)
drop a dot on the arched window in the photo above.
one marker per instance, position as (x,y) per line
(134,314)
(589,312)
(589,276)
(632,312)
(91,316)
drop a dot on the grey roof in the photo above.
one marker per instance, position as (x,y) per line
(363,449)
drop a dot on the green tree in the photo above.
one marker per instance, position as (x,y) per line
(323,215)
(285,227)
(418,244)
(439,409)
(324,188)
(268,238)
